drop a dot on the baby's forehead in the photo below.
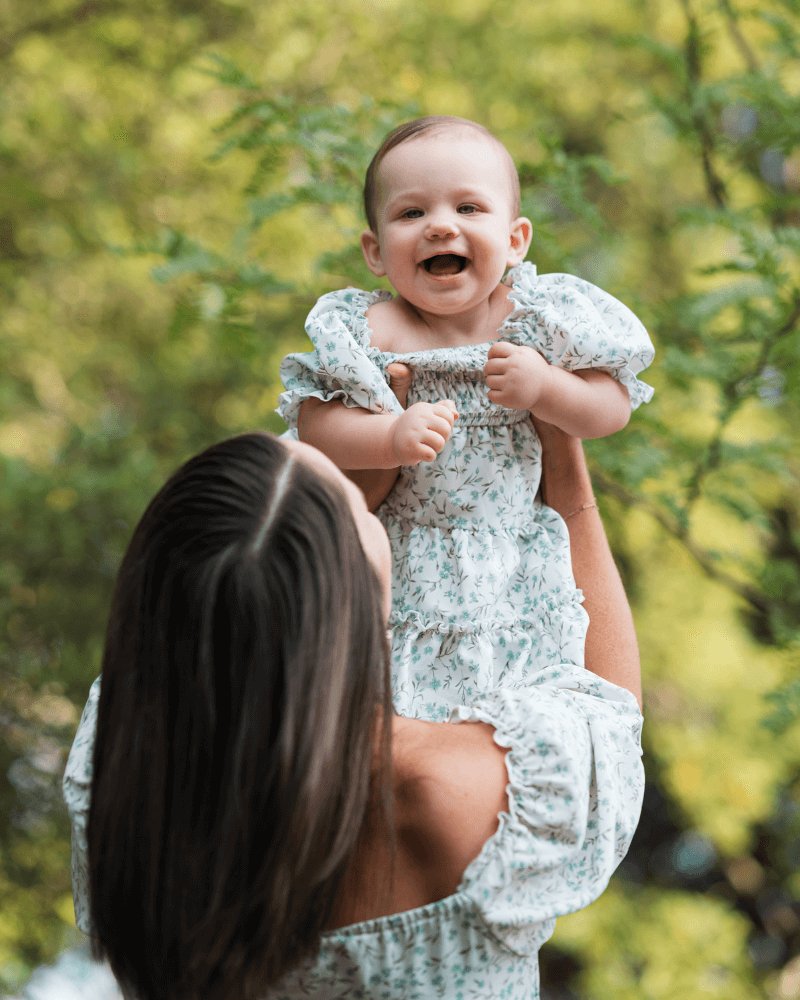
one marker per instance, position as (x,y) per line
(452,132)
(430,142)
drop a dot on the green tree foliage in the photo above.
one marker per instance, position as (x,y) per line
(218,148)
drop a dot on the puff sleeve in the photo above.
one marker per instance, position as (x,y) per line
(340,366)
(77,787)
(576,325)
(575,786)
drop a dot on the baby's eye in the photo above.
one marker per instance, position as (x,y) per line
(467,209)
(412,213)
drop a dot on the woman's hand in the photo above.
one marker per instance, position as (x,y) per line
(565,478)
(400,376)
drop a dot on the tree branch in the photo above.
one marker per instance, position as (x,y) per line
(715,185)
(704,559)
(739,40)
(733,401)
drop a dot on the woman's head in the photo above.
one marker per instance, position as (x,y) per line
(244,672)
(373,536)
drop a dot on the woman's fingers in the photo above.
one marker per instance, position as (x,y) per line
(399,381)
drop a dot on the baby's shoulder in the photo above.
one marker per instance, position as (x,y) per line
(391,329)
(345,303)
(341,316)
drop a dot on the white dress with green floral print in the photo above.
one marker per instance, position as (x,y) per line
(575,784)
(482,587)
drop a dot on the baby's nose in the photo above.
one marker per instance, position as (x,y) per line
(442,224)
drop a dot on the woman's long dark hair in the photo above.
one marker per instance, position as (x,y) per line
(245,677)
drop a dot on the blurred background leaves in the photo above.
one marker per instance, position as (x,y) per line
(182,180)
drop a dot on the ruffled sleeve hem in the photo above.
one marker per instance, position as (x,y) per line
(340,366)
(576,325)
(575,784)
(77,788)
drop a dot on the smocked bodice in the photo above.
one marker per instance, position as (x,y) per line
(482,589)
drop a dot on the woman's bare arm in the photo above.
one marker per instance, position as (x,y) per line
(611,648)
(375,484)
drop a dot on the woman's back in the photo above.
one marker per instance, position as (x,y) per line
(555,847)
(238,680)
(469,913)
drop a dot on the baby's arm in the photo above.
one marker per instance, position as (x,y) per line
(357,439)
(377,484)
(584,404)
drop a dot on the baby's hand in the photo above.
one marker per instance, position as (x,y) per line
(422,431)
(515,375)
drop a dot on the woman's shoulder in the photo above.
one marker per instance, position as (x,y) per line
(520,753)
(450,793)
(520,815)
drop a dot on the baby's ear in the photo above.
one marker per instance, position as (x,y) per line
(371,249)
(520,236)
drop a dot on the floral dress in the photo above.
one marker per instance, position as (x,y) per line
(575,783)
(482,585)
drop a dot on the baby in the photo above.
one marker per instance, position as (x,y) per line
(483,592)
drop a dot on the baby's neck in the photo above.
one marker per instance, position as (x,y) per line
(400,327)
(453,331)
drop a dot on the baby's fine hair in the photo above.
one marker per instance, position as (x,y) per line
(411,130)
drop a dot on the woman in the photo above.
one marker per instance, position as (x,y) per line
(262,824)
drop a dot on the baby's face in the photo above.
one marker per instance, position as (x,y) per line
(446,228)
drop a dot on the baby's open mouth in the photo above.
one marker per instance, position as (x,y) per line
(445,263)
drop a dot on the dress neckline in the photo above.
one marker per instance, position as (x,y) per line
(463,895)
